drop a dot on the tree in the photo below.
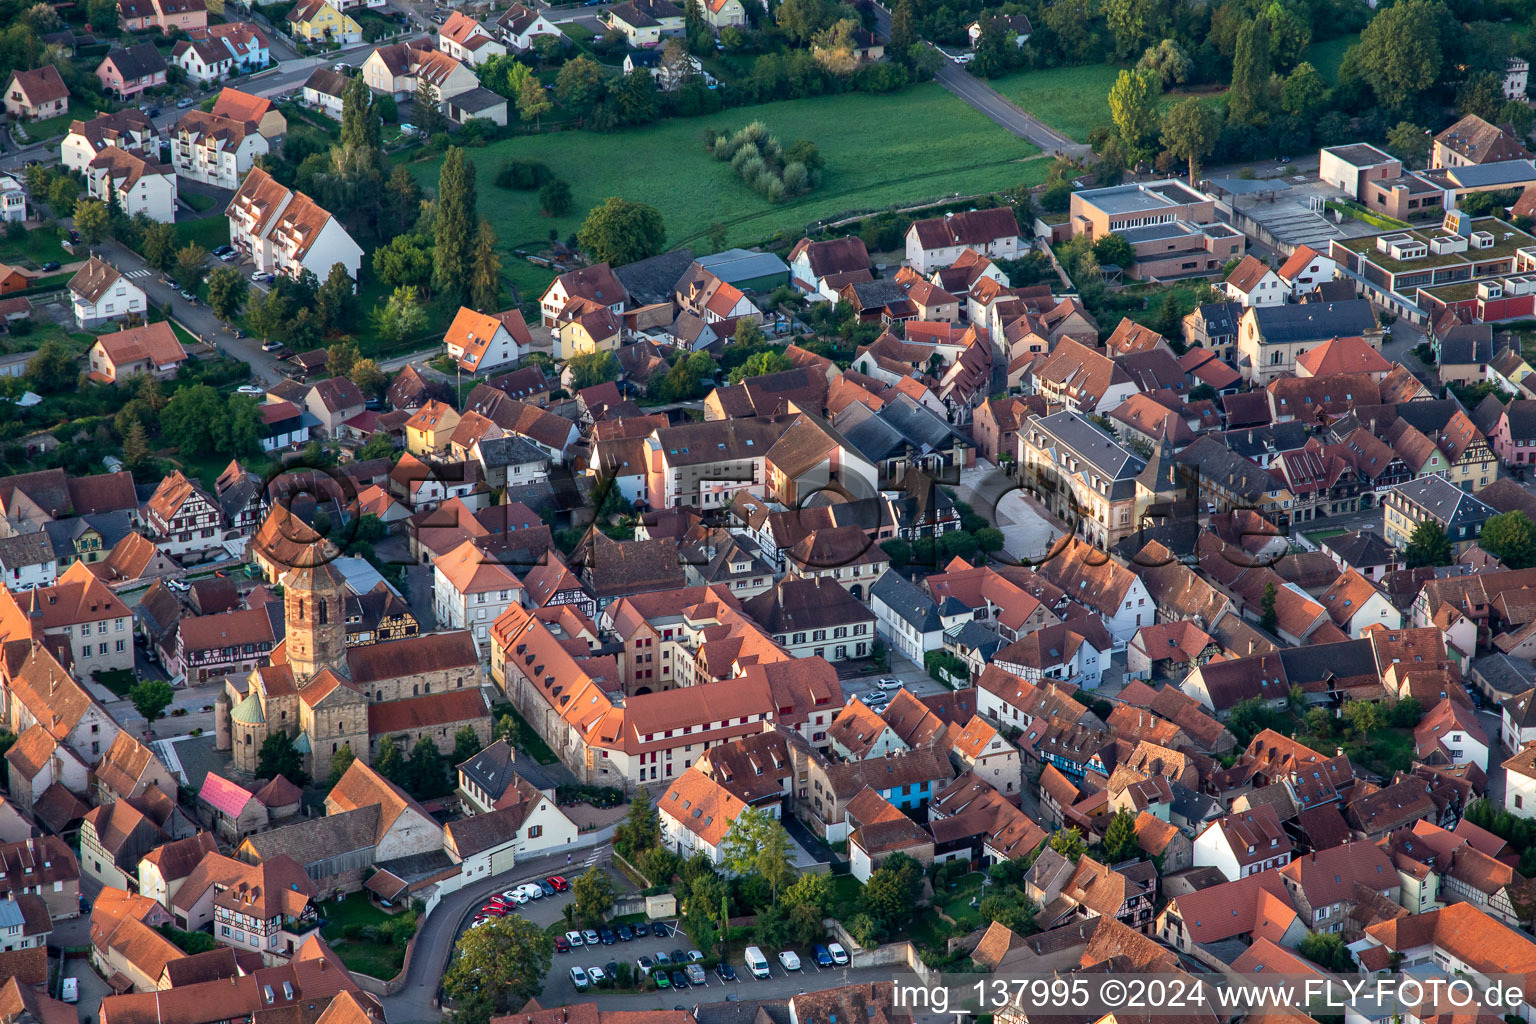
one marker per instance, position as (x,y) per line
(191,261)
(1267,616)
(800,20)
(593,368)
(1190,130)
(995,49)
(454,225)
(580,85)
(136,445)
(1409,141)
(1327,950)
(426,771)
(1120,838)
(336,300)
(1511,538)
(1113,248)
(1251,64)
(1399,51)
(402,198)
(622,231)
(555,198)
(810,890)
(640,831)
(1289,35)
(989,539)
(1428,546)
(1135,24)
(1362,716)
(402,316)
(532,101)
(150,699)
(465,745)
(187,420)
(890,895)
(758,363)
(52,369)
(278,757)
(1304,91)
(758,845)
(429,109)
(1167,61)
(592,893)
(1133,108)
(1069,843)
(370,380)
(158,245)
(497,968)
(902,34)
(405,260)
(341,357)
(388,761)
(227,289)
(485,273)
(92,220)
(340,762)
(360,127)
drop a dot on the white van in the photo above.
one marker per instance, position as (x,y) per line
(757,963)
(70,992)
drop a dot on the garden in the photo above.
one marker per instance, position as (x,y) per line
(367,939)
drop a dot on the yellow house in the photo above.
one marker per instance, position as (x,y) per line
(319,22)
(428,431)
(720,14)
(597,329)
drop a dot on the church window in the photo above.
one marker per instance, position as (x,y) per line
(415,690)
(426,687)
(322,612)
(301,608)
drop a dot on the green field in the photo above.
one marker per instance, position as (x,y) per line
(1075,101)
(879,150)
(1327,56)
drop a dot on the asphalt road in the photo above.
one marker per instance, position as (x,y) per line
(988,101)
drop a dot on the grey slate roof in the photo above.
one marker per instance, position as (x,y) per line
(902,422)
(737,265)
(509,451)
(318,839)
(1076,435)
(913,606)
(1361,549)
(655,279)
(1448,504)
(1314,321)
(25,549)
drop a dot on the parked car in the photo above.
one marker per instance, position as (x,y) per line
(545,888)
(726,971)
(590,934)
(661,979)
(254,390)
(561,945)
(789,960)
(50,266)
(644,965)
(560,884)
(678,981)
(695,974)
(679,957)
(642,929)
(262,277)
(225,253)
(889,683)
(579,979)
(183,104)
(694,956)
(624,932)
(70,990)
(516,895)
(272,346)
(187,295)
(873,697)
(532,891)
(494,910)
(839,954)
(823,957)
(607,935)
(596,975)
(574,938)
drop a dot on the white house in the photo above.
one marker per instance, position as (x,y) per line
(286,232)
(905,616)
(215,150)
(129,129)
(1518,721)
(521,25)
(99,294)
(470,590)
(204,60)
(1520,783)
(323,91)
(27,560)
(135,184)
(528,824)
(696,815)
(1253,283)
(1305,270)
(13,200)
(1016,25)
(465,39)
(1451,731)
(1244,844)
(1516,73)
(1355,604)
(478,341)
(939,241)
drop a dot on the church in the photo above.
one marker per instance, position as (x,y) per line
(327,695)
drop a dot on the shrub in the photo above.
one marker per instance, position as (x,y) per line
(523,175)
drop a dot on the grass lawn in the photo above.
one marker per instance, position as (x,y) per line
(1327,56)
(378,959)
(77,342)
(944,147)
(208,232)
(1318,536)
(34,248)
(956,902)
(525,737)
(41,131)
(119,681)
(199,201)
(1074,101)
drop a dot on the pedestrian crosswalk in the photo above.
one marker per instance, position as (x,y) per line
(594,856)
(141,272)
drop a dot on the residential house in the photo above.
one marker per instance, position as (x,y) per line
(182,518)
(1244,844)
(216,150)
(165,15)
(318,22)
(467,40)
(287,232)
(152,350)
(36,95)
(1432,499)
(645,22)
(520,26)
(133,184)
(127,72)
(1254,283)
(1474,141)
(100,294)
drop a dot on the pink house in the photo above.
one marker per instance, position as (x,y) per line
(1514,435)
(126,73)
(165,15)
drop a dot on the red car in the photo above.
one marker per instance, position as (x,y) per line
(560,884)
(494,910)
(562,944)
